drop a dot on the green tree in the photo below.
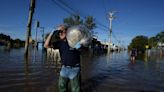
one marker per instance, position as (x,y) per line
(139,42)
(152,41)
(90,22)
(9,42)
(160,37)
(4,37)
(73,20)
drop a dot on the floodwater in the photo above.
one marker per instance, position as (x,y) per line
(112,72)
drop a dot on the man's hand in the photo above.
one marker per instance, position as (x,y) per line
(78,45)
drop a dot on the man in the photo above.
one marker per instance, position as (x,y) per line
(133,54)
(70,59)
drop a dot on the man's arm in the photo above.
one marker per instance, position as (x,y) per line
(46,44)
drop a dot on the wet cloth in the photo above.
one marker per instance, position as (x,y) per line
(75,84)
(133,52)
(69,56)
(69,72)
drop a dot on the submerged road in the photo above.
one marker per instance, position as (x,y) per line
(112,72)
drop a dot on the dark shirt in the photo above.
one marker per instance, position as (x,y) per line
(133,52)
(69,56)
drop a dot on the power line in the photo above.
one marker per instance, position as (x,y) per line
(64,6)
(114,36)
(60,3)
(60,6)
(105,9)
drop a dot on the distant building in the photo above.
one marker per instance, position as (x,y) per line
(111,45)
(160,44)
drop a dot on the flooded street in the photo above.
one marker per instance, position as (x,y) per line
(115,73)
(100,73)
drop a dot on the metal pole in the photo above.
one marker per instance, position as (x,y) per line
(31,12)
(42,29)
(36,36)
(110,30)
(43,39)
(36,40)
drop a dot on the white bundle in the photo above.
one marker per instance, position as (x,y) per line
(78,35)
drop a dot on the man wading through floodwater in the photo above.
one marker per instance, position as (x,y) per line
(70,59)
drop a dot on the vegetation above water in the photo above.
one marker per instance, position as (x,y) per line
(140,42)
(6,40)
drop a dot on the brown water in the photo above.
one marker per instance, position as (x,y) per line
(100,73)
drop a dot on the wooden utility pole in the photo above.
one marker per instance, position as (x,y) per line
(28,35)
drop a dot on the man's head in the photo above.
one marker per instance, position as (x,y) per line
(62,31)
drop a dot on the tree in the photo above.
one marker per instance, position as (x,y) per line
(5,37)
(160,37)
(90,22)
(139,43)
(152,41)
(9,42)
(73,20)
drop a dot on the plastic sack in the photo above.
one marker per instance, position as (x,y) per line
(78,34)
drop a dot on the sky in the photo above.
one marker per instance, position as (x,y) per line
(132,17)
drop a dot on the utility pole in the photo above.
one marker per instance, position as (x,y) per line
(42,29)
(111,17)
(28,35)
(36,38)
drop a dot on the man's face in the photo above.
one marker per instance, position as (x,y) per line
(62,34)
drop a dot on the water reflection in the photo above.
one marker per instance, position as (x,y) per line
(26,71)
(117,73)
(21,74)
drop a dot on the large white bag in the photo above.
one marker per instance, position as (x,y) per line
(78,35)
